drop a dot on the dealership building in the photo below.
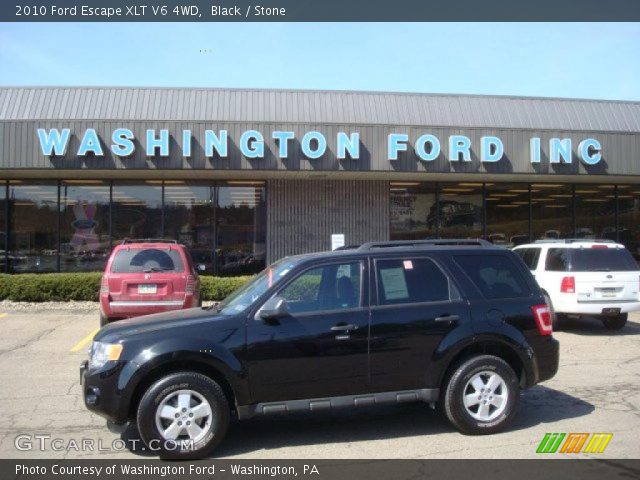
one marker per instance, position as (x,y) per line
(245,177)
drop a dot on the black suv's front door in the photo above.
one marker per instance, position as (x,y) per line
(320,348)
(417,306)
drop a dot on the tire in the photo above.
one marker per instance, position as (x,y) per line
(615,323)
(103,320)
(467,419)
(166,392)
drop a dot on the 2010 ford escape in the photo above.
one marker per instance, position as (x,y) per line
(457,323)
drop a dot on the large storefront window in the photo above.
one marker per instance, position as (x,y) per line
(595,211)
(84,225)
(33,226)
(507,213)
(628,231)
(240,220)
(136,210)
(189,219)
(552,211)
(412,210)
(3,227)
(460,210)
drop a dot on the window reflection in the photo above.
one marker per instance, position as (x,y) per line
(628,219)
(240,226)
(188,218)
(33,243)
(137,210)
(459,209)
(3,227)
(84,226)
(595,211)
(507,213)
(552,210)
(411,210)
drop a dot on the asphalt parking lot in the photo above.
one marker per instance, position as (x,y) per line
(597,389)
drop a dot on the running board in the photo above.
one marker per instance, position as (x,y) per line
(428,395)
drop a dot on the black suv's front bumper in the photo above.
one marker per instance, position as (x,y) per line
(101,394)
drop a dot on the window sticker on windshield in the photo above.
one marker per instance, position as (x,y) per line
(394,283)
(408,264)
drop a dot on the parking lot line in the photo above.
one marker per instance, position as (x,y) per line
(2,315)
(84,342)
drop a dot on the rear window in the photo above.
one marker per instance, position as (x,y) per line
(496,276)
(590,260)
(529,256)
(147,260)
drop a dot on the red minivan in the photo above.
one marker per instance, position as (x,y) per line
(147,276)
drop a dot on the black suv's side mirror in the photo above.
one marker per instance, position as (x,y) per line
(274,308)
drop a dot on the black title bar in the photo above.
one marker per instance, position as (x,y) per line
(320,11)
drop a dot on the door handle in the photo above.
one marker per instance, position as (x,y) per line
(344,328)
(448,318)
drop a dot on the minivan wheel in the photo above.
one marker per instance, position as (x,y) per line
(481,395)
(616,322)
(184,415)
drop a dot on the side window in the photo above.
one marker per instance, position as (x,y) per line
(496,276)
(530,257)
(329,287)
(411,280)
(557,260)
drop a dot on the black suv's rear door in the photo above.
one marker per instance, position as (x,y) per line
(417,306)
(320,349)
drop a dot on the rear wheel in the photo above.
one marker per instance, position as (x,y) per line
(183,416)
(616,322)
(481,395)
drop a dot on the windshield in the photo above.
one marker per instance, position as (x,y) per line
(249,293)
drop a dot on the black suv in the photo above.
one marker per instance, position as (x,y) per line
(459,323)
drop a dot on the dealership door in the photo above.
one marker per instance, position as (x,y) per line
(320,348)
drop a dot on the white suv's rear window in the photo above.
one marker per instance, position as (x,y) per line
(590,260)
(146,261)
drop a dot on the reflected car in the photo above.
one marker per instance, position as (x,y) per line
(452,213)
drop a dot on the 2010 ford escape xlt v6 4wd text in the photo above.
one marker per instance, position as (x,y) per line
(459,323)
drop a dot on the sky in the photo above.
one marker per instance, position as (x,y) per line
(576,60)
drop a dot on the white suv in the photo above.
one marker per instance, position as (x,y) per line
(585,277)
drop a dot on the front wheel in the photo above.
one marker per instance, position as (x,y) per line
(615,323)
(183,416)
(481,395)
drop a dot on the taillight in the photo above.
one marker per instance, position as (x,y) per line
(104,286)
(542,315)
(191,284)
(568,285)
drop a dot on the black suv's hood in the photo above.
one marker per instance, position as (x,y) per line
(157,321)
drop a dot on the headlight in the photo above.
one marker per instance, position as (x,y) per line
(102,352)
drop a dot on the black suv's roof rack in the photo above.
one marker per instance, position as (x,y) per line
(575,240)
(477,242)
(147,240)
